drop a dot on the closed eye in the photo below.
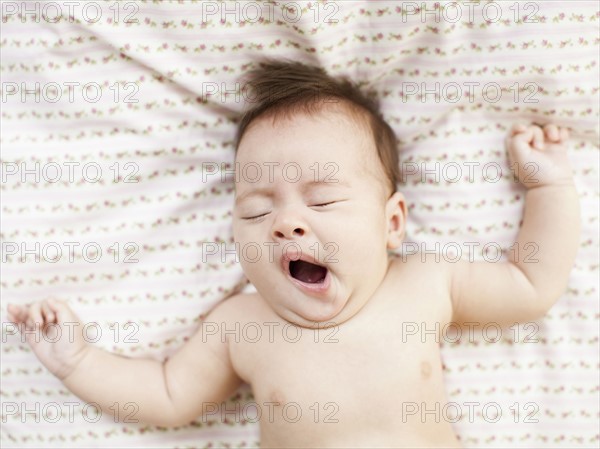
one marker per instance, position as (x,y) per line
(256,217)
(328,203)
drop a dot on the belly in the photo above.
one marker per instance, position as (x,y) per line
(351,394)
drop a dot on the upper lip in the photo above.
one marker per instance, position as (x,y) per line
(286,259)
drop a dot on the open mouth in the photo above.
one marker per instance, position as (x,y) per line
(307,272)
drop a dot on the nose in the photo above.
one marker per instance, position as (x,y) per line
(289,225)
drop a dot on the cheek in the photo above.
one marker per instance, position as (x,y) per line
(367,236)
(236,230)
(243,232)
(253,254)
(370,222)
(251,266)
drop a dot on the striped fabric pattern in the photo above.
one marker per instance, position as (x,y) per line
(118,120)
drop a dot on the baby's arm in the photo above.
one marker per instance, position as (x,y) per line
(527,286)
(167,394)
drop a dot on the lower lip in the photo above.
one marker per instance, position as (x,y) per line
(318,288)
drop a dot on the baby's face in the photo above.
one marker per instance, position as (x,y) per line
(304,190)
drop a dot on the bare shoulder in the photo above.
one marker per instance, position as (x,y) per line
(426,277)
(228,322)
(421,266)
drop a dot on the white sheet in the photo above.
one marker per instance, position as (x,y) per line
(160,119)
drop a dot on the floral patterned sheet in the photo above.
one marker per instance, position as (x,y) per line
(118,116)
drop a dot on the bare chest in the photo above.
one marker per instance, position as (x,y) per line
(334,383)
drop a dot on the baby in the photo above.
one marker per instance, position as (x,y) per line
(317,211)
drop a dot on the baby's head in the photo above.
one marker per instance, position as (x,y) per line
(316,176)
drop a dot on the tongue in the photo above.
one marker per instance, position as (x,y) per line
(307,272)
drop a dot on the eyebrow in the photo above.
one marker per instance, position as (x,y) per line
(268,192)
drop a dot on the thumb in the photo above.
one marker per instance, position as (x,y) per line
(16,313)
(519,145)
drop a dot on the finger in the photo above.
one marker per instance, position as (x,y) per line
(552,133)
(47,313)
(15,320)
(564,134)
(62,310)
(23,314)
(17,313)
(35,315)
(538,137)
(518,128)
(525,138)
(519,145)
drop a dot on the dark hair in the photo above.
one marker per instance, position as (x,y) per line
(287,87)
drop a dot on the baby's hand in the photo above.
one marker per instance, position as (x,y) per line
(539,157)
(59,346)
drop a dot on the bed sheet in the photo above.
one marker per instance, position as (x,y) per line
(124,112)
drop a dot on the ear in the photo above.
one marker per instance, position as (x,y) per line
(395,215)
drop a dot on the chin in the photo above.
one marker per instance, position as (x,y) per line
(313,314)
